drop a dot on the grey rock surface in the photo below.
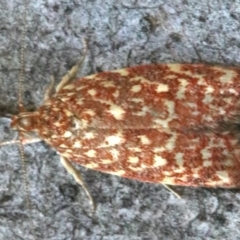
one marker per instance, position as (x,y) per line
(119,34)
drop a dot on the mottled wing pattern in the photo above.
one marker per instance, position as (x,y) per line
(175,124)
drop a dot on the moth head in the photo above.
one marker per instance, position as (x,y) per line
(24,122)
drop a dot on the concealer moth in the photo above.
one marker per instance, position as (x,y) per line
(175,124)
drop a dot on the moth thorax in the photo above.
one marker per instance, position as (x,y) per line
(25,121)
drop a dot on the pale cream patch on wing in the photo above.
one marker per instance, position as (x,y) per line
(193,106)
(168,180)
(88,135)
(170,105)
(93,76)
(142,80)
(179,170)
(77,123)
(171,143)
(207,118)
(63,146)
(183,178)
(116,94)
(144,140)
(162,88)
(179,159)
(67,112)
(66,155)
(136,169)
(218,143)
(106,161)
(209,89)
(175,67)
(123,72)
(81,87)
(113,140)
(64,99)
(89,112)
(44,131)
(233,91)
(91,153)
(116,111)
(182,89)
(159,161)
(159,149)
(196,170)
(107,84)
(222,111)
(196,175)
(228,76)
(85,123)
(77,144)
(71,94)
(91,165)
(115,153)
(224,177)
(208,98)
(136,88)
(67,134)
(136,100)
(135,149)
(132,159)
(57,124)
(92,92)
(143,111)
(206,154)
(228,163)
(207,163)
(80,101)
(118,173)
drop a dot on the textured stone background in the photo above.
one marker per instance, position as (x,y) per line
(119,34)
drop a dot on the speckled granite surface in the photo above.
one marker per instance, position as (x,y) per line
(119,34)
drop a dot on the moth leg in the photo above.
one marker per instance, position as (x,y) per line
(171,190)
(30,140)
(24,141)
(50,90)
(73,171)
(72,74)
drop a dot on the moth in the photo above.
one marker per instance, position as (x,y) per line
(176,124)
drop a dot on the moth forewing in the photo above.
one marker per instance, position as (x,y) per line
(161,123)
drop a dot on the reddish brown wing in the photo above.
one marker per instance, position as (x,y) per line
(157,123)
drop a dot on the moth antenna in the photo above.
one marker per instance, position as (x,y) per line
(22,56)
(25,180)
(21,108)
